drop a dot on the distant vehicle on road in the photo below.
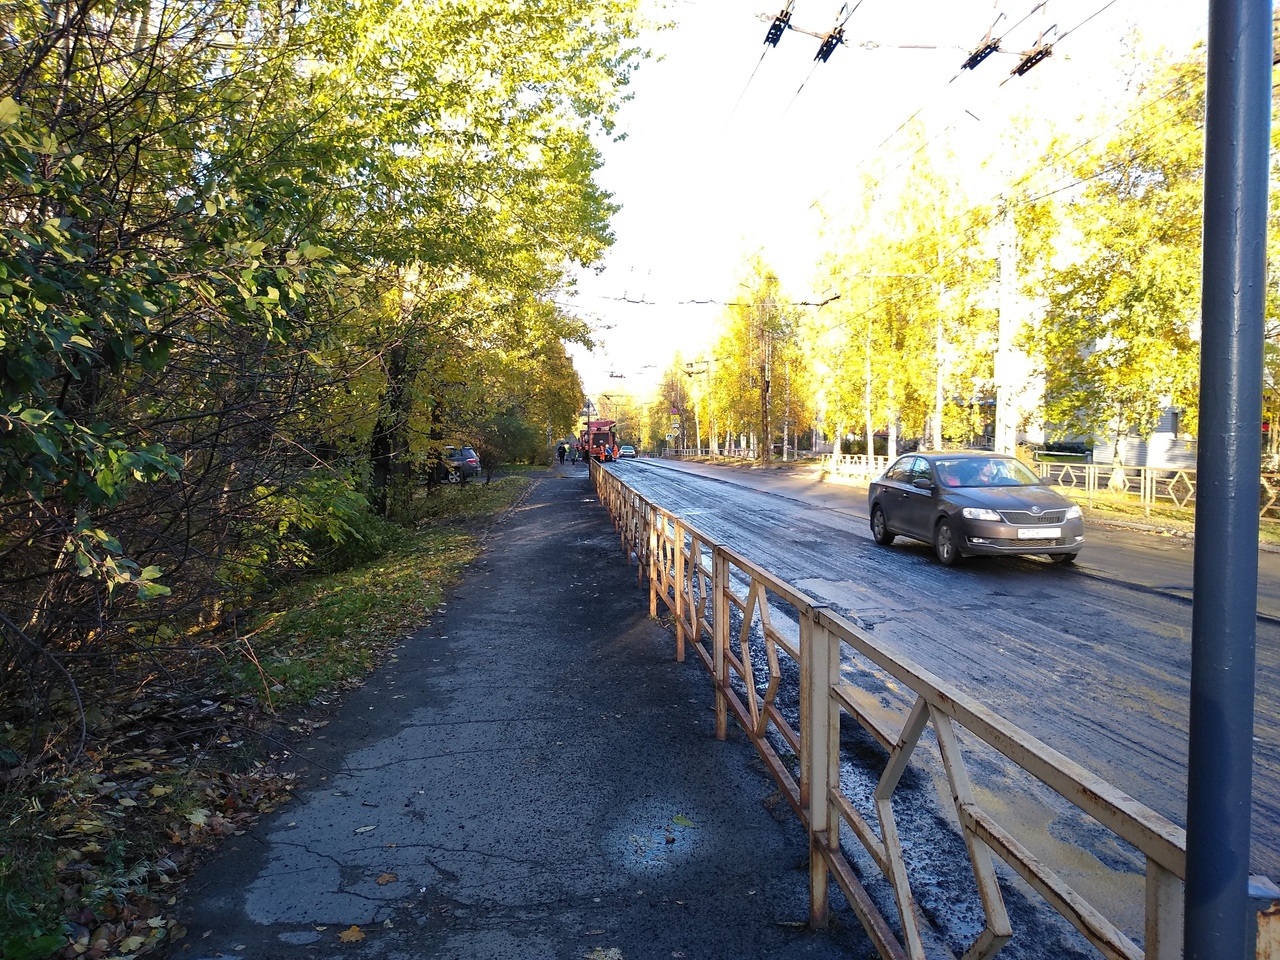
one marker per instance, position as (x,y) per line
(626,452)
(598,439)
(973,503)
(463,463)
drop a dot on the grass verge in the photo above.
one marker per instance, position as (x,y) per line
(92,853)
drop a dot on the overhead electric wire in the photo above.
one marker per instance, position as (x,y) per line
(1049,190)
(929,272)
(1063,36)
(836,32)
(748,84)
(798,89)
(1042,3)
(1027,16)
(921,108)
(1112,168)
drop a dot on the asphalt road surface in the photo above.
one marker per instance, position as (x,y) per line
(1094,659)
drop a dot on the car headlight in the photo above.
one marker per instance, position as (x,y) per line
(1074,511)
(980,513)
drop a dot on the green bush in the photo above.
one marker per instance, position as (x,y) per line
(29,930)
(354,536)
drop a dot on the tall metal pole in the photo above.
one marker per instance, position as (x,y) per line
(1224,615)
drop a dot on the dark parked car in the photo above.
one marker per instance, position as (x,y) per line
(463,463)
(973,503)
(626,452)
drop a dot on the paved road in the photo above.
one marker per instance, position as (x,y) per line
(1094,660)
(532,776)
(1145,559)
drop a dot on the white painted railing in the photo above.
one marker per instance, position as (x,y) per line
(854,466)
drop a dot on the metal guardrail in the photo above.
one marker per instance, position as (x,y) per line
(1150,484)
(708,588)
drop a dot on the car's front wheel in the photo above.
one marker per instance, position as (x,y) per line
(880,527)
(945,544)
(1064,558)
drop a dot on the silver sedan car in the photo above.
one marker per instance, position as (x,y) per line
(973,503)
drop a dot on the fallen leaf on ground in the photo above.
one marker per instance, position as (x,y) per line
(387,878)
(366,829)
(680,820)
(351,934)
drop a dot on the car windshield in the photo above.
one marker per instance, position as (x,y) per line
(984,472)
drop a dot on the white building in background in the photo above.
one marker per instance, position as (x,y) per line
(1168,446)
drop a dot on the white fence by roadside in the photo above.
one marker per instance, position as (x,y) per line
(707,587)
(1151,485)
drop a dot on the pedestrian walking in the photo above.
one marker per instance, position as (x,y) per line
(560,454)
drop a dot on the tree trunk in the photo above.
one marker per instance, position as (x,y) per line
(389,446)
(892,447)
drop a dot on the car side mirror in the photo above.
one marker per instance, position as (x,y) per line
(922,483)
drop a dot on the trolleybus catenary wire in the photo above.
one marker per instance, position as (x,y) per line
(1144,134)
(830,41)
(914,249)
(927,273)
(862,163)
(748,84)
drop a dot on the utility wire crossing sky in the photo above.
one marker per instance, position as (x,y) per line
(753,131)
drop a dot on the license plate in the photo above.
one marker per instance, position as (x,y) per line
(1039,533)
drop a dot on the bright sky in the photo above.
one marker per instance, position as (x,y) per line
(715,168)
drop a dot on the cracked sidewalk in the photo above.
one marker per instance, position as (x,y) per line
(531,776)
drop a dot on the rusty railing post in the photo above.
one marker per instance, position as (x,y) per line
(720,639)
(1164,914)
(819,753)
(654,516)
(680,597)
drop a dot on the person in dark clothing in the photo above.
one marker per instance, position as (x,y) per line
(560,453)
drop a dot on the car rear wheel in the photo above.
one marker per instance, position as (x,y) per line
(944,543)
(880,527)
(1064,558)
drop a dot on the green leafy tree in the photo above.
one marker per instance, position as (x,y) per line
(907,333)
(1120,341)
(253,263)
(759,351)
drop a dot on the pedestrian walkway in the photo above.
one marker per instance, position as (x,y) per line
(532,776)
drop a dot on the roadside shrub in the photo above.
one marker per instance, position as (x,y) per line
(355,536)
